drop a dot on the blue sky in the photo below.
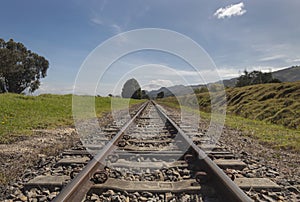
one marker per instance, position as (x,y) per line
(251,34)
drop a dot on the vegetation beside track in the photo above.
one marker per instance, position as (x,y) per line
(20,114)
(269,112)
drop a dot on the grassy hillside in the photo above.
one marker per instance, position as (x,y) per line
(277,103)
(274,103)
(19,114)
(270,112)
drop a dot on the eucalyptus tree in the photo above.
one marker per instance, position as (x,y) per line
(20,68)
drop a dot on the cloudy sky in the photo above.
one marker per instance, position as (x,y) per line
(235,35)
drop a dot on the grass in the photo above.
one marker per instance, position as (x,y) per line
(277,103)
(274,103)
(276,136)
(269,113)
(20,114)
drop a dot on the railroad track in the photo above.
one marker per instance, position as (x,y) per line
(150,158)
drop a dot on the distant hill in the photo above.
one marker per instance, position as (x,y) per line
(177,90)
(290,74)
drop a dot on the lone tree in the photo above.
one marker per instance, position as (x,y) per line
(20,68)
(131,89)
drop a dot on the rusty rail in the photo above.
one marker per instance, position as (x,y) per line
(75,190)
(225,185)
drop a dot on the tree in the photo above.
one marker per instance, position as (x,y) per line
(131,89)
(160,94)
(255,77)
(200,90)
(144,95)
(20,68)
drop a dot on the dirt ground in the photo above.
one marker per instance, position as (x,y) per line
(20,155)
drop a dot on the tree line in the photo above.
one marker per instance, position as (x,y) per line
(255,77)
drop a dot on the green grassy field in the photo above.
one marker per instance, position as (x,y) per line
(268,112)
(19,114)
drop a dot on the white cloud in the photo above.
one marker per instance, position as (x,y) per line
(61,88)
(103,4)
(186,73)
(273,57)
(231,10)
(296,60)
(260,68)
(156,84)
(226,73)
(97,21)
(117,28)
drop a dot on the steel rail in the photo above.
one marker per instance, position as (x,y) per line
(81,184)
(225,185)
(76,190)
